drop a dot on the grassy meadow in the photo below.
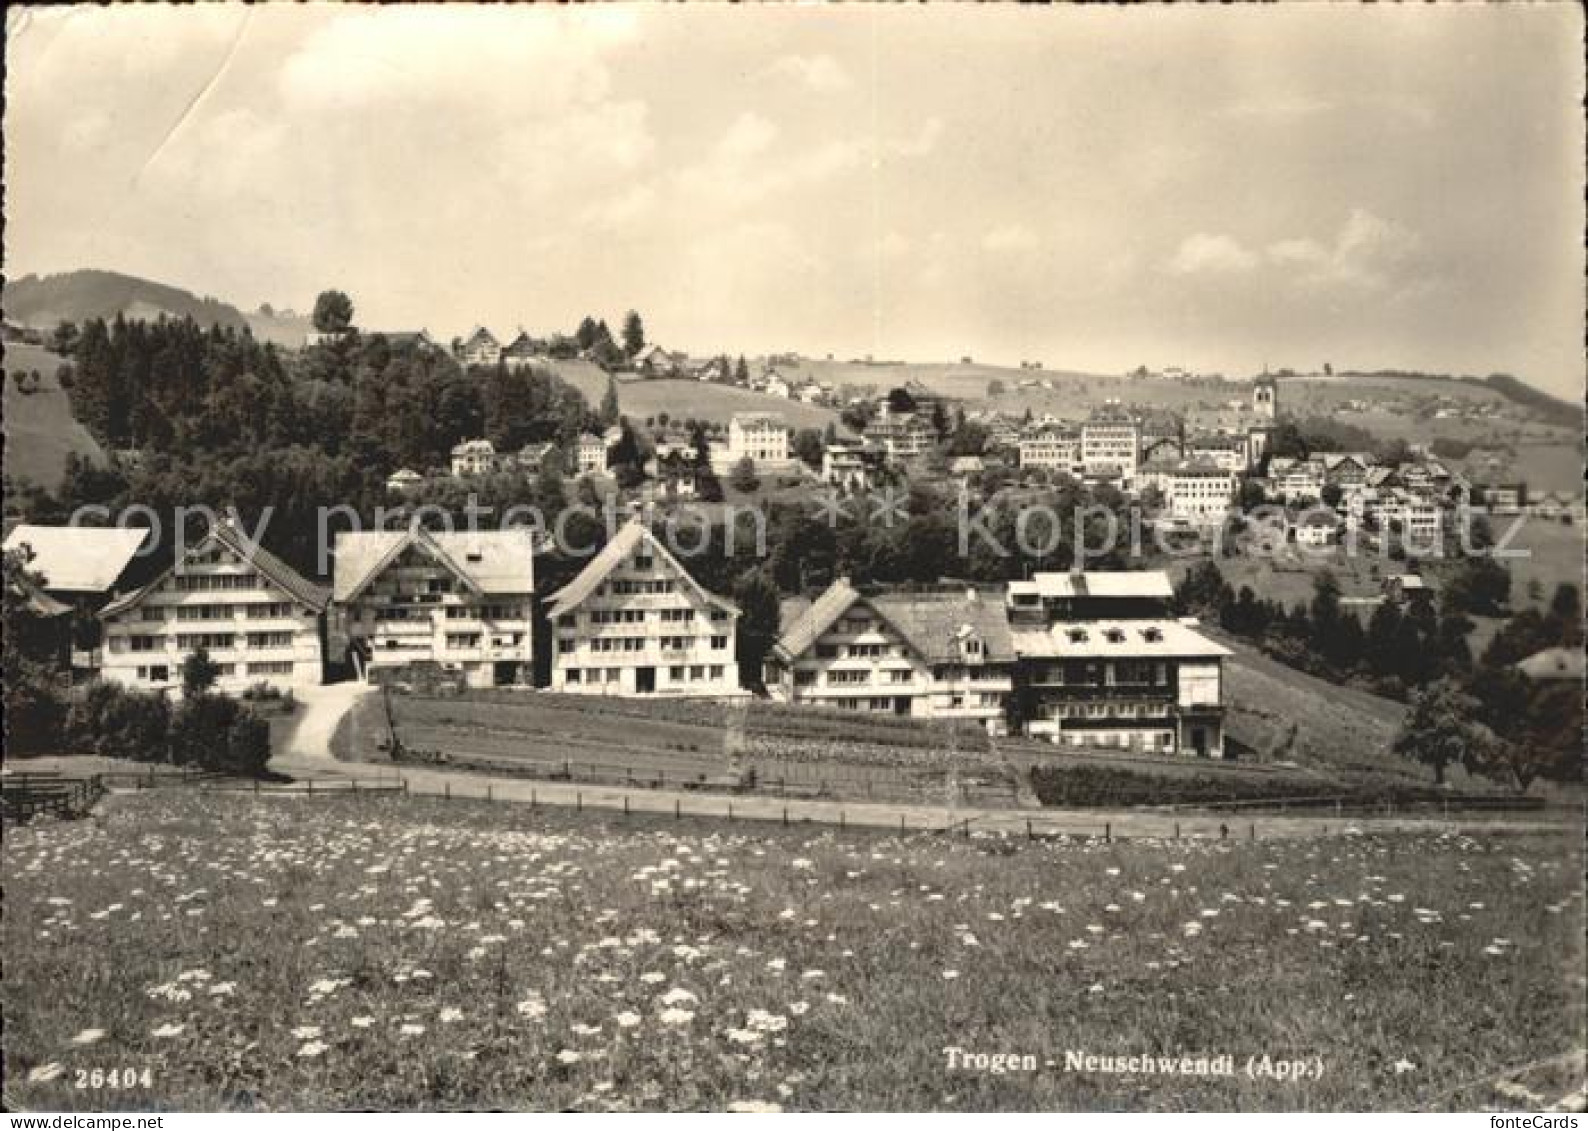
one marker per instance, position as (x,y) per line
(269,953)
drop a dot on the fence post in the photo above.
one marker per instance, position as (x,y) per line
(1253,830)
(354,784)
(311,787)
(405,787)
(840,820)
(730,811)
(625,805)
(901,824)
(678,809)
(1028,829)
(1177,830)
(256,785)
(488,795)
(1108,832)
(578,801)
(446,791)
(785,816)
(534,799)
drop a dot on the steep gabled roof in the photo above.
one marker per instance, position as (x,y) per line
(275,571)
(816,619)
(78,559)
(484,562)
(623,543)
(933,623)
(1112,583)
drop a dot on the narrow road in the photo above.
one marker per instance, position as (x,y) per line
(1124,823)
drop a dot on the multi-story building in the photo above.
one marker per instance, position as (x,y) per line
(480,348)
(1265,398)
(851,464)
(1223,451)
(1296,480)
(1317,529)
(1102,663)
(1111,443)
(1047,446)
(1347,470)
(761,437)
(1197,491)
(901,435)
(633,622)
(259,620)
(927,655)
(522,352)
(463,601)
(473,458)
(593,450)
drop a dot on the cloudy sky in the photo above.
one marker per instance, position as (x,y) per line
(1214,187)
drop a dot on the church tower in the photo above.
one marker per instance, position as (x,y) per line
(1265,398)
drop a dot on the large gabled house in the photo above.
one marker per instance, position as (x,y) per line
(926,655)
(634,622)
(258,618)
(1103,663)
(523,351)
(480,348)
(462,601)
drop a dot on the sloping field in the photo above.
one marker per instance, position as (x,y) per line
(40,429)
(1336,729)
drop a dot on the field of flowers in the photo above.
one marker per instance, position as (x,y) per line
(191,952)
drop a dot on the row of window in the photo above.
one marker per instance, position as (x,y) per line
(205,582)
(191,641)
(679,673)
(257,611)
(1104,710)
(161,673)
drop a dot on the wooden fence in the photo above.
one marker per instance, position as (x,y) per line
(24,796)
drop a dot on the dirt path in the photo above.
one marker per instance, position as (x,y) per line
(1126,823)
(320,710)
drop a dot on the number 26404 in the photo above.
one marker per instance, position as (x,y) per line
(119,1078)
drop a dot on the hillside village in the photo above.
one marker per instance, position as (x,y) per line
(1093,660)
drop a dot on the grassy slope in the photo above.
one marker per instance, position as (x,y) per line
(1338,729)
(531,956)
(40,430)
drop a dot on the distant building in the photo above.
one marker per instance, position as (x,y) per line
(462,601)
(634,622)
(761,437)
(851,464)
(404,481)
(593,451)
(1102,664)
(480,348)
(1505,498)
(1223,451)
(1050,447)
(654,361)
(473,458)
(258,618)
(1111,443)
(1265,397)
(1197,490)
(523,351)
(1407,587)
(901,435)
(776,386)
(532,456)
(925,655)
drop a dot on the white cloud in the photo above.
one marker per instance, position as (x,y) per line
(750,135)
(818,72)
(921,144)
(1207,254)
(1368,253)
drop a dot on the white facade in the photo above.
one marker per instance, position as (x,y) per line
(473,458)
(1048,448)
(481,348)
(592,454)
(463,601)
(634,622)
(935,656)
(1197,493)
(1111,442)
(759,437)
(259,620)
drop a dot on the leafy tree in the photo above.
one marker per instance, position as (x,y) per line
(757,598)
(633,333)
(743,477)
(808,446)
(333,312)
(1441,729)
(35,707)
(900,401)
(587,333)
(1331,494)
(741,372)
(609,413)
(199,673)
(1479,585)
